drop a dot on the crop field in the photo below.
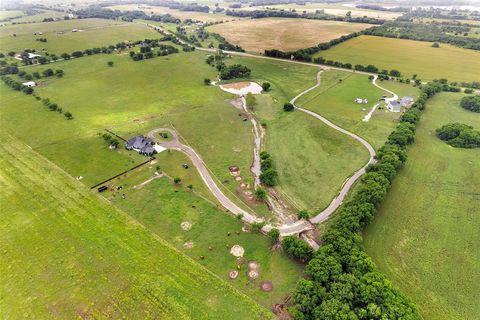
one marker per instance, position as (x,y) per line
(162,207)
(60,38)
(66,253)
(409,57)
(196,16)
(425,237)
(283,34)
(334,99)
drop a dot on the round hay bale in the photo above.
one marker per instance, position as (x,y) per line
(253,274)
(233,274)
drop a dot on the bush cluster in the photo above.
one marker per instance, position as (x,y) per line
(459,135)
(343,282)
(268,175)
(471,103)
(234,71)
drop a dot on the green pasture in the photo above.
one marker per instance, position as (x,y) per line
(68,254)
(334,99)
(426,234)
(409,57)
(60,38)
(312,159)
(162,206)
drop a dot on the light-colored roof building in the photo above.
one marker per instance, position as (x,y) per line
(393,106)
(30,84)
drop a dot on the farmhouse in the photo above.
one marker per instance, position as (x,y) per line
(30,84)
(142,145)
(406,101)
(393,106)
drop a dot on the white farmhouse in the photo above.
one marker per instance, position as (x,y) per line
(30,84)
(393,106)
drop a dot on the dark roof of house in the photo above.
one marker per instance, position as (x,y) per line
(138,142)
(148,149)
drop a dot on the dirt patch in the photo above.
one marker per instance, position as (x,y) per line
(253,274)
(188,245)
(237,85)
(266,286)
(237,251)
(253,265)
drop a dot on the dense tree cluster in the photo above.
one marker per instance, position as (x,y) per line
(297,248)
(343,282)
(471,103)
(147,52)
(268,175)
(459,135)
(225,45)
(234,71)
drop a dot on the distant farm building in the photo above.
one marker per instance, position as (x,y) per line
(30,84)
(393,106)
(142,145)
(406,101)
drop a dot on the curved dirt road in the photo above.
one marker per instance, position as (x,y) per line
(285,229)
(337,201)
(203,171)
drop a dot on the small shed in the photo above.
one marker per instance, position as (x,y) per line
(30,84)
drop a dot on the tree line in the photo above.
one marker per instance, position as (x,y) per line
(342,281)
(317,15)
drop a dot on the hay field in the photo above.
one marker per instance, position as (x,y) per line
(283,34)
(410,57)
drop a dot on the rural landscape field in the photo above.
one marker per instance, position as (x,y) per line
(281,159)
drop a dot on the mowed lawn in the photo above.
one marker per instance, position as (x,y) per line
(426,234)
(68,254)
(60,38)
(283,34)
(409,57)
(162,207)
(334,99)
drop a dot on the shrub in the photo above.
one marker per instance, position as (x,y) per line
(297,249)
(288,107)
(471,103)
(459,135)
